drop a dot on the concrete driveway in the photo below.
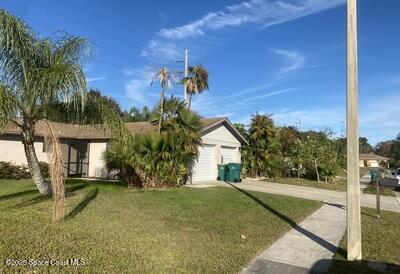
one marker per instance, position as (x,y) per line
(329,196)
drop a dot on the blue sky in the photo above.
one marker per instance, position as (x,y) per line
(285,58)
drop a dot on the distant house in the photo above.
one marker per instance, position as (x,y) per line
(83,147)
(373,160)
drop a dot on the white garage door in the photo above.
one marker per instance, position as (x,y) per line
(228,155)
(204,166)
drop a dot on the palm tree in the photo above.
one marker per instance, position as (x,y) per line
(165,77)
(35,73)
(196,82)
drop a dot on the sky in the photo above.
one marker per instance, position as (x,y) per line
(285,58)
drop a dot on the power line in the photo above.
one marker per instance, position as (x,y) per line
(102,31)
(101,46)
(225,98)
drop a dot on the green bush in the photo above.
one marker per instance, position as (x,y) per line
(10,171)
(44,167)
(17,172)
(159,160)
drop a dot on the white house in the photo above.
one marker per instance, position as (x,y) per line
(83,147)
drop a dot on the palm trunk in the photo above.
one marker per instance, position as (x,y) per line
(189,101)
(161,109)
(33,163)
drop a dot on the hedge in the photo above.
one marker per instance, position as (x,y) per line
(17,172)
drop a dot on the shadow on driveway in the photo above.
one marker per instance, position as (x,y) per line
(310,235)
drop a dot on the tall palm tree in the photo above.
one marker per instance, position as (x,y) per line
(34,73)
(165,77)
(196,82)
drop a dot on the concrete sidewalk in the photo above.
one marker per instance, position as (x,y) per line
(308,247)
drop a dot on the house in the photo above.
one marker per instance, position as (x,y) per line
(373,160)
(83,147)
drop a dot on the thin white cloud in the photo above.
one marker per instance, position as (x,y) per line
(293,61)
(167,49)
(92,79)
(138,88)
(255,89)
(269,94)
(261,12)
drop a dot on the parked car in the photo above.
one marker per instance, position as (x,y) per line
(396,175)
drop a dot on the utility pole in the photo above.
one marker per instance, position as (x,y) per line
(353,173)
(186,75)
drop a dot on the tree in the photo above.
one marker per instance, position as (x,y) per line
(242,129)
(139,115)
(34,73)
(319,155)
(395,150)
(196,82)
(289,138)
(262,156)
(165,77)
(89,111)
(154,160)
(365,147)
(384,148)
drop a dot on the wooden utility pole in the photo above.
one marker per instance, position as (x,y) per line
(353,172)
(186,75)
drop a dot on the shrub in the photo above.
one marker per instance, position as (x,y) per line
(10,171)
(44,167)
(159,160)
(18,172)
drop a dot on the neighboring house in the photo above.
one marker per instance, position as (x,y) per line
(373,160)
(83,147)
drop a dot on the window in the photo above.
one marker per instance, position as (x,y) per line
(46,146)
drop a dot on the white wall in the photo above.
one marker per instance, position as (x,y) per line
(12,150)
(97,167)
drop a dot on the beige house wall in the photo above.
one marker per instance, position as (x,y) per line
(97,166)
(368,163)
(12,150)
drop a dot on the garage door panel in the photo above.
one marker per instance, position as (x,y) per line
(228,155)
(203,167)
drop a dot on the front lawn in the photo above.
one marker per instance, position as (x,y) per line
(385,191)
(114,229)
(380,243)
(337,186)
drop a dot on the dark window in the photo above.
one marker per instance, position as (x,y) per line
(398,172)
(46,146)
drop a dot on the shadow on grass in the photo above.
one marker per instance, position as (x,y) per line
(17,194)
(363,266)
(41,198)
(310,235)
(81,206)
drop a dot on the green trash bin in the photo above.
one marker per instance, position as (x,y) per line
(222,172)
(374,175)
(234,172)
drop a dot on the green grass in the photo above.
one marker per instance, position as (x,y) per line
(115,229)
(337,186)
(380,243)
(385,191)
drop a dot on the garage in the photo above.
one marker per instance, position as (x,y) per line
(203,167)
(221,144)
